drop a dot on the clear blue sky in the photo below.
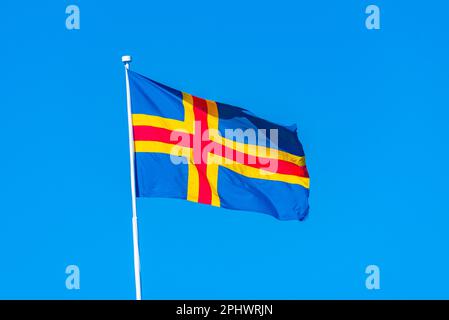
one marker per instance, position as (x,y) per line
(372,109)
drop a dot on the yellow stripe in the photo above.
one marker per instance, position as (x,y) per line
(159,122)
(189,116)
(259,151)
(212,121)
(252,172)
(193,184)
(212,168)
(212,114)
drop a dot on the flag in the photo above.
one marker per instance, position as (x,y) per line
(195,149)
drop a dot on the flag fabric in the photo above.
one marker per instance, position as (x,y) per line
(204,151)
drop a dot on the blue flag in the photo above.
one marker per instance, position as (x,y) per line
(204,151)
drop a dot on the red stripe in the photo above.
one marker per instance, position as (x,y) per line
(200,113)
(146,133)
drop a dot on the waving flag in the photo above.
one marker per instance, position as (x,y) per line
(203,151)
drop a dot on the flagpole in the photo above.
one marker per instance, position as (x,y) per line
(126,61)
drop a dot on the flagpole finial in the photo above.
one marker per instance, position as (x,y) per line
(126,59)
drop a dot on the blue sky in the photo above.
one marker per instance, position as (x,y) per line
(371,107)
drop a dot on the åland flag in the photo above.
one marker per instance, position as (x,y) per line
(204,151)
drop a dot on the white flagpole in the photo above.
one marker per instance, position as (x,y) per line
(127,60)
